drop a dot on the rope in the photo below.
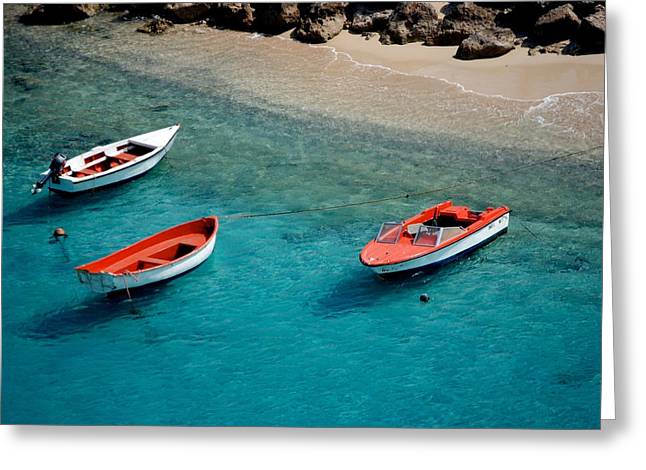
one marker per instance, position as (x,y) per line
(125,281)
(406,195)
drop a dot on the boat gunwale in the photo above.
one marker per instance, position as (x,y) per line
(446,244)
(83,267)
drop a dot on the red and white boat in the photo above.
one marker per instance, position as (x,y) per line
(159,257)
(107,164)
(434,236)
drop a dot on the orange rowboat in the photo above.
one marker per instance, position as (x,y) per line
(159,257)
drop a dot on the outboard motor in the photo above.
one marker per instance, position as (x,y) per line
(56,167)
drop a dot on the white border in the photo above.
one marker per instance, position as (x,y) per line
(619,445)
(607,340)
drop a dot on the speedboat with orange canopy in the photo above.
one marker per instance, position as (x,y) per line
(435,236)
(159,257)
(107,164)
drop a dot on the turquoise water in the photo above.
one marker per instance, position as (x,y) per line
(282,326)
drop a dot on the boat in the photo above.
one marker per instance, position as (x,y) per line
(107,164)
(433,237)
(160,257)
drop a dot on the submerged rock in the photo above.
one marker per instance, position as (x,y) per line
(60,14)
(557,24)
(410,22)
(26,82)
(156,26)
(275,17)
(238,16)
(320,22)
(486,44)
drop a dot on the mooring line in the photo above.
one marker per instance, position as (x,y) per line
(406,195)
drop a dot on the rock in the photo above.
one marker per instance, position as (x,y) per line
(521,17)
(591,35)
(369,17)
(460,21)
(562,47)
(238,16)
(320,22)
(410,22)
(138,11)
(156,26)
(26,82)
(275,17)
(185,12)
(486,44)
(585,8)
(557,24)
(59,14)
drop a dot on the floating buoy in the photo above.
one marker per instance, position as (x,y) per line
(424,298)
(59,232)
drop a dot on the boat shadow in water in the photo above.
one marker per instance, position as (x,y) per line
(358,293)
(74,319)
(56,204)
(361,290)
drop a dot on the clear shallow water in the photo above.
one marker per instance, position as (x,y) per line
(282,325)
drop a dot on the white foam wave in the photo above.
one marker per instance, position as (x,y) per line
(460,86)
(537,102)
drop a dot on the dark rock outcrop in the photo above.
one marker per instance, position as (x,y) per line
(592,32)
(585,8)
(60,14)
(238,16)
(557,24)
(275,17)
(185,12)
(486,44)
(156,26)
(369,17)
(320,22)
(410,22)
(521,16)
(460,21)
(142,10)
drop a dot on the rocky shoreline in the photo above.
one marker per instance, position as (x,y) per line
(478,29)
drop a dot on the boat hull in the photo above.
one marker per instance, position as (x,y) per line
(461,247)
(107,283)
(120,175)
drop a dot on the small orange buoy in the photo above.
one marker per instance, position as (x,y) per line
(59,232)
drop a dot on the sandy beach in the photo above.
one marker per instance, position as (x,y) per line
(515,75)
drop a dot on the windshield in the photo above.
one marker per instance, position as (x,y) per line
(389,232)
(433,236)
(427,236)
